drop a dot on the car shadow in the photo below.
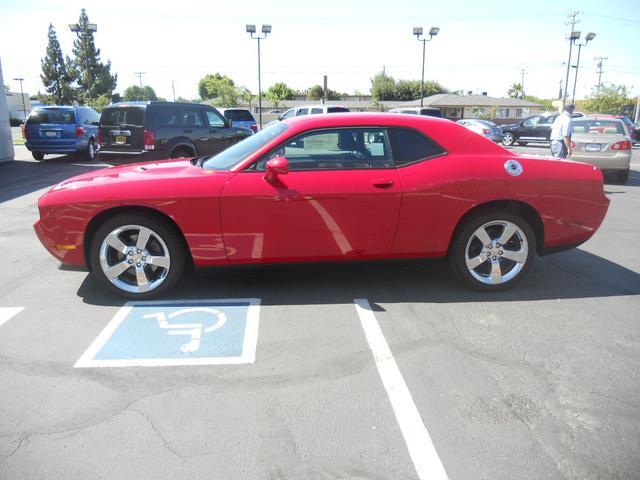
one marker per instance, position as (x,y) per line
(632,181)
(21,177)
(568,275)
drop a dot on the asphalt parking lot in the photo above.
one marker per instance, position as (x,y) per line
(539,382)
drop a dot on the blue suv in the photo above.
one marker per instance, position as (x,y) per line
(59,129)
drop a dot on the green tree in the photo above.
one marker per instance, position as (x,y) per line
(315,93)
(383,87)
(94,77)
(278,92)
(99,102)
(213,86)
(134,92)
(611,99)
(386,88)
(548,104)
(516,91)
(245,95)
(56,77)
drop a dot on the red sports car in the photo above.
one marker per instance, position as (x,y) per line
(325,188)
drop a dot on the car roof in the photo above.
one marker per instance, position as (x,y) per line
(600,117)
(144,104)
(49,107)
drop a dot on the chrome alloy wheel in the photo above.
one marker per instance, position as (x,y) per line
(134,258)
(496,252)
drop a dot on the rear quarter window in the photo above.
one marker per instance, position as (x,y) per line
(52,115)
(123,116)
(410,146)
(239,115)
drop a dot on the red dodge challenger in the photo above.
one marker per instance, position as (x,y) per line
(325,188)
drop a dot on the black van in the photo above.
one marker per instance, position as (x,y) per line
(140,131)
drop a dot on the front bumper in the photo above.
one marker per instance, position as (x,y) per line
(65,246)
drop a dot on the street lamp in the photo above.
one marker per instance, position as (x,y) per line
(251,30)
(573,36)
(417,31)
(590,36)
(77,29)
(24,108)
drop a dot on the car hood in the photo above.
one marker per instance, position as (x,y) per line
(133,173)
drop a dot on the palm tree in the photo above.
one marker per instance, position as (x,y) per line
(516,91)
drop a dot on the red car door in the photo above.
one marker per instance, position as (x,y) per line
(339,200)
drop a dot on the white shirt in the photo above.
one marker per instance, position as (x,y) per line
(562,127)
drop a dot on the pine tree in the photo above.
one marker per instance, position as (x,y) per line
(94,77)
(56,76)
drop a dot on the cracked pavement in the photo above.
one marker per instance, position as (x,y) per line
(539,382)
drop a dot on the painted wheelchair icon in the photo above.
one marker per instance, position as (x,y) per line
(180,332)
(195,330)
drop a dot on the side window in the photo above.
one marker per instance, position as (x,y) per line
(410,146)
(315,111)
(190,117)
(81,116)
(302,111)
(214,119)
(94,117)
(167,116)
(547,120)
(531,121)
(335,149)
(289,114)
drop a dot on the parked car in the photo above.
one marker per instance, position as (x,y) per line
(536,128)
(138,131)
(317,189)
(308,110)
(604,142)
(240,117)
(428,111)
(61,129)
(483,127)
(634,131)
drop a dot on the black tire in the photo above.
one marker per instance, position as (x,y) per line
(170,239)
(465,237)
(182,152)
(91,150)
(623,176)
(37,156)
(508,139)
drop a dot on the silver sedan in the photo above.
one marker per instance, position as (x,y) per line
(483,127)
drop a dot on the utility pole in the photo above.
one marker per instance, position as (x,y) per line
(139,74)
(522,74)
(24,108)
(382,90)
(173,89)
(600,60)
(571,20)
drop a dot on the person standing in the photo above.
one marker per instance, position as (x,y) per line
(561,131)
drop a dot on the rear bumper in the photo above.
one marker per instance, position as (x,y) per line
(120,157)
(66,147)
(620,161)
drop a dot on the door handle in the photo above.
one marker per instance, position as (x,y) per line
(187,131)
(382,182)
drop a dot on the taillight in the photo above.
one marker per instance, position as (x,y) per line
(149,140)
(486,131)
(623,145)
(24,131)
(254,127)
(79,131)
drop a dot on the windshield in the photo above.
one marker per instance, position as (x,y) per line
(232,155)
(599,127)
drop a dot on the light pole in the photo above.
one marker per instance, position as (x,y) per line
(251,30)
(77,29)
(590,36)
(417,31)
(24,108)
(572,37)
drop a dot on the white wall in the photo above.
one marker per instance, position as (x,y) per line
(6,142)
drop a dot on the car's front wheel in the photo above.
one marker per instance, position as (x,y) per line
(492,251)
(508,139)
(137,256)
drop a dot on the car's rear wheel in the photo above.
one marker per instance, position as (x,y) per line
(137,256)
(492,250)
(508,139)
(37,156)
(91,150)
(181,153)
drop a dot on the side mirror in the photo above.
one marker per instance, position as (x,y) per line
(278,166)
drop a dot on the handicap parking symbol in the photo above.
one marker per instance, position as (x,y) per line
(180,332)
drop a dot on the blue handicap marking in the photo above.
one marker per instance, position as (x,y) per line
(164,333)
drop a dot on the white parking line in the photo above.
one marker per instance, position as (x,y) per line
(6,313)
(423,454)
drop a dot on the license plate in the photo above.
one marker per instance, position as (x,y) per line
(51,134)
(592,147)
(120,139)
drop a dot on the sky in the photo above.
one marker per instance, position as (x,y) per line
(482,45)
